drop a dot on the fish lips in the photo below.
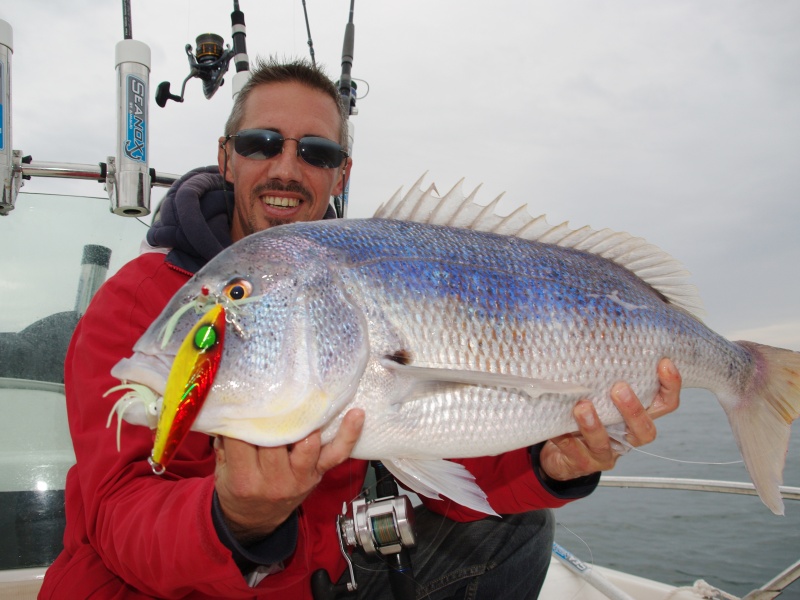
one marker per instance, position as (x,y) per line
(147,370)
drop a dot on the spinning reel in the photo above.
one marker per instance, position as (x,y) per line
(209,61)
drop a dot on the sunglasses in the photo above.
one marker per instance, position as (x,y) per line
(262,144)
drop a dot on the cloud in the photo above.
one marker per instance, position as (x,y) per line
(781,335)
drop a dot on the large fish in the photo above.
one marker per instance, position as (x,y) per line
(459,332)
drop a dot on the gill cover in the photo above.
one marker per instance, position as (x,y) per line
(303,347)
(190,379)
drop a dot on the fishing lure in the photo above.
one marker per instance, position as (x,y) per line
(190,378)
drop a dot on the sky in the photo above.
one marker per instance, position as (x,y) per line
(675,121)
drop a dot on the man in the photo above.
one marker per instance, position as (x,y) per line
(232,520)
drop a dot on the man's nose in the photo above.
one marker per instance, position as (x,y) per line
(287,165)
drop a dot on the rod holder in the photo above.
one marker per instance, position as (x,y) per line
(128,177)
(10,179)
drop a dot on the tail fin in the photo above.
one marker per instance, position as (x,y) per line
(762,419)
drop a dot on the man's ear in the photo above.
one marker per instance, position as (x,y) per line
(222,157)
(344,176)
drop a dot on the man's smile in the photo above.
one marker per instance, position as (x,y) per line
(279,201)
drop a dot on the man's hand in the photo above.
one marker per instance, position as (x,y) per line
(259,488)
(589,450)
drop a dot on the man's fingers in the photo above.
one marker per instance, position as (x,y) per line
(300,464)
(242,460)
(233,451)
(639,424)
(303,455)
(341,446)
(668,397)
(591,429)
(219,450)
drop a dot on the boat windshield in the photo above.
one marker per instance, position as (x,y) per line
(56,251)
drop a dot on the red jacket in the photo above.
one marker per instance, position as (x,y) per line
(131,534)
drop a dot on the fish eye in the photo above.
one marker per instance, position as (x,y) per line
(238,289)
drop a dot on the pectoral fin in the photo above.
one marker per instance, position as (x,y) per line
(530,386)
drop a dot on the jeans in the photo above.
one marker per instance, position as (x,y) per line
(488,559)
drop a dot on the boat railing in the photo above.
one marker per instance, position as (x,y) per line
(697,485)
(15,383)
(97,172)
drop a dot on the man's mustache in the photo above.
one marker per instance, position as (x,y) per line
(277,186)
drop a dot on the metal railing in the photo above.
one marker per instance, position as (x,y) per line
(96,172)
(695,485)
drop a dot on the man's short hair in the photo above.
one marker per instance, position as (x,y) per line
(297,71)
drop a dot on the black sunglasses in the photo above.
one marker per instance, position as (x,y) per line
(261,144)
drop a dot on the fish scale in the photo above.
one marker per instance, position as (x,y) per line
(458,341)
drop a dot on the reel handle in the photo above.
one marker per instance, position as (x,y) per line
(322,588)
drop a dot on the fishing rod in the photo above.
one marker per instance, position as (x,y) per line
(592,576)
(240,58)
(345,81)
(310,41)
(127,30)
(347,96)
(385,525)
(348,93)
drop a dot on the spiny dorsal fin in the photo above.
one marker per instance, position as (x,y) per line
(455,209)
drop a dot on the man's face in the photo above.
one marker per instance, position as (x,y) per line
(285,188)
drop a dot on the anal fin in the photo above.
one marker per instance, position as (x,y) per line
(439,477)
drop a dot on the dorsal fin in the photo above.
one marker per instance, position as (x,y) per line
(648,262)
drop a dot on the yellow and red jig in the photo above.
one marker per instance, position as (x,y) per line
(188,384)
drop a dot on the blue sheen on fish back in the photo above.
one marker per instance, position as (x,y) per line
(494,273)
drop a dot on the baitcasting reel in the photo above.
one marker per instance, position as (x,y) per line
(382,527)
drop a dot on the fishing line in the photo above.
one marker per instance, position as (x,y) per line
(688,462)
(365,82)
(582,541)
(619,440)
(622,446)
(590,562)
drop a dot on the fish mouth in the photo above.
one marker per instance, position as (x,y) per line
(145,369)
(280,201)
(145,378)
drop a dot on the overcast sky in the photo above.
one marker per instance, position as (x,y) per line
(677,121)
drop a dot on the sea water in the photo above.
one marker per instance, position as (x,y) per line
(733,542)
